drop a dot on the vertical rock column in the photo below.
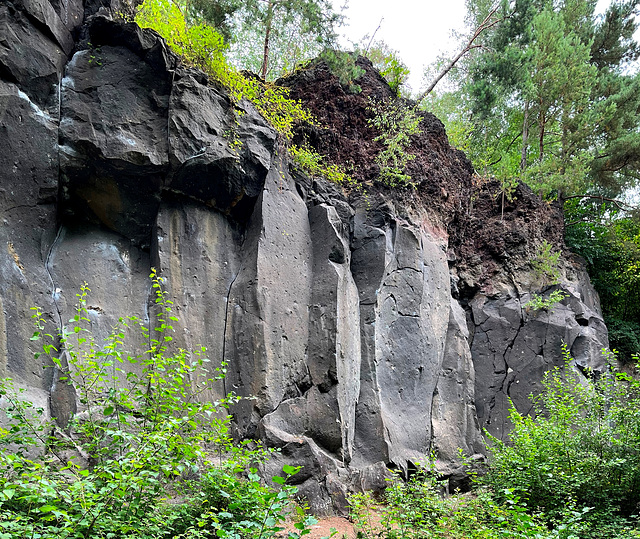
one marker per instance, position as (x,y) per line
(405,318)
(268,319)
(34,48)
(513,347)
(28,190)
(334,323)
(198,255)
(453,412)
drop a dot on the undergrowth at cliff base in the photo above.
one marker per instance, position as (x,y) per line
(145,456)
(569,470)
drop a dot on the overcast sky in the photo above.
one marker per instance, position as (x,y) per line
(418,29)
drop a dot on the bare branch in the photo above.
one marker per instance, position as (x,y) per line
(373,36)
(489,22)
(617,203)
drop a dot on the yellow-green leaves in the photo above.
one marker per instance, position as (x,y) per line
(200,45)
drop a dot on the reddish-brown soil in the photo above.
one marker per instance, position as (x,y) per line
(484,236)
(345,136)
(344,528)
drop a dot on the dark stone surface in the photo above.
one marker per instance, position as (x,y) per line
(344,317)
(29,57)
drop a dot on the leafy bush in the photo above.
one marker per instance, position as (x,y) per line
(579,450)
(417,509)
(546,264)
(203,47)
(624,337)
(397,123)
(142,435)
(388,62)
(611,247)
(314,164)
(538,302)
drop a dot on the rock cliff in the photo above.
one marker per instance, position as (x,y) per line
(373,330)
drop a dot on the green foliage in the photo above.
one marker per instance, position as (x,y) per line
(416,509)
(610,245)
(577,451)
(388,62)
(343,66)
(546,264)
(218,14)
(287,48)
(539,303)
(314,164)
(396,122)
(143,433)
(624,338)
(201,46)
(550,95)
(283,23)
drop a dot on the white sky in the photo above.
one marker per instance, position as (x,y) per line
(418,30)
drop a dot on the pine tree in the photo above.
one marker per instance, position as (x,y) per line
(295,28)
(550,98)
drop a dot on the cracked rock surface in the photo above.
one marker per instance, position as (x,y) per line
(373,331)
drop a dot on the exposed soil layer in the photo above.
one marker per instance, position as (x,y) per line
(441,173)
(485,234)
(499,234)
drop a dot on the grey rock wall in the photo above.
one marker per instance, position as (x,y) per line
(339,317)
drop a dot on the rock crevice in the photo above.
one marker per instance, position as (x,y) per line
(373,332)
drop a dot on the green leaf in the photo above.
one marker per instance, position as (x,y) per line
(278,480)
(290,470)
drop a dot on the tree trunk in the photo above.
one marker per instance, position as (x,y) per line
(525,136)
(267,35)
(489,21)
(541,121)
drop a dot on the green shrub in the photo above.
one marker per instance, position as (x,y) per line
(546,264)
(578,451)
(624,336)
(396,123)
(202,46)
(343,66)
(142,435)
(314,164)
(417,509)
(539,303)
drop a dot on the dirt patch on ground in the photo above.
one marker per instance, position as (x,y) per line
(343,527)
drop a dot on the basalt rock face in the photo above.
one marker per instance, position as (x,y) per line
(372,330)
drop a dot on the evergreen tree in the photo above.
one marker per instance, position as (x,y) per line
(558,71)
